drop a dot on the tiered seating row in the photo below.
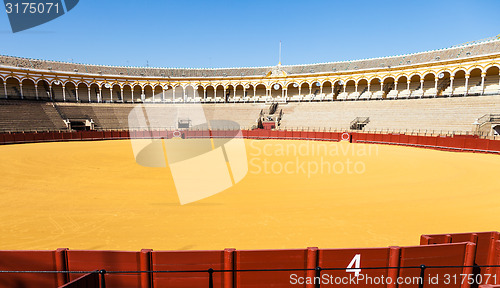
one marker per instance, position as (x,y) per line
(29,116)
(447,114)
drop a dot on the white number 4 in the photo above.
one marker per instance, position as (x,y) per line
(353,267)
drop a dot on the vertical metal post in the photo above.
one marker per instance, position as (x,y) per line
(210,278)
(318,276)
(422,276)
(103,279)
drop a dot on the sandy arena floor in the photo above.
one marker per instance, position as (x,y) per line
(92,195)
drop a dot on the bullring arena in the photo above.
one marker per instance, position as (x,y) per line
(343,156)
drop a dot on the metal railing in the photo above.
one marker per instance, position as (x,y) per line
(421,279)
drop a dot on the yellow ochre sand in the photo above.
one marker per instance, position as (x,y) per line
(92,195)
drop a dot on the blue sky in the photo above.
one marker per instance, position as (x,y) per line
(194,34)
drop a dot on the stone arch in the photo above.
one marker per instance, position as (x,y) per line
(57,90)
(362,86)
(83,92)
(158,93)
(492,80)
(189,93)
(13,88)
(94,92)
(178,93)
(148,93)
(2,90)
(28,88)
(275,93)
(475,81)
(210,93)
(260,90)
(70,91)
(459,82)
(327,87)
(475,67)
(239,91)
(43,88)
(116,93)
(127,93)
(305,88)
(137,92)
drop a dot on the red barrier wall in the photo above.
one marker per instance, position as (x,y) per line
(369,257)
(190,260)
(81,260)
(486,247)
(269,259)
(90,280)
(449,254)
(31,261)
(456,143)
(437,255)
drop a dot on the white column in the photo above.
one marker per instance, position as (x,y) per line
(356,87)
(244,93)
(64,92)
(451,84)
(36,91)
(422,87)
(310,89)
(396,85)
(132,89)
(224,96)
(99,97)
(483,75)
(21,86)
(204,94)
(162,94)
(254,92)
(89,88)
(466,84)
(143,96)
(436,86)
(368,88)
(408,84)
(286,94)
(344,87)
(5,89)
(111,93)
(299,90)
(321,89)
(234,93)
(76,93)
(381,86)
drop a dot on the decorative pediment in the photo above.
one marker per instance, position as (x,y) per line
(276,72)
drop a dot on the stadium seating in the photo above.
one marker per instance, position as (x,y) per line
(18,115)
(447,114)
